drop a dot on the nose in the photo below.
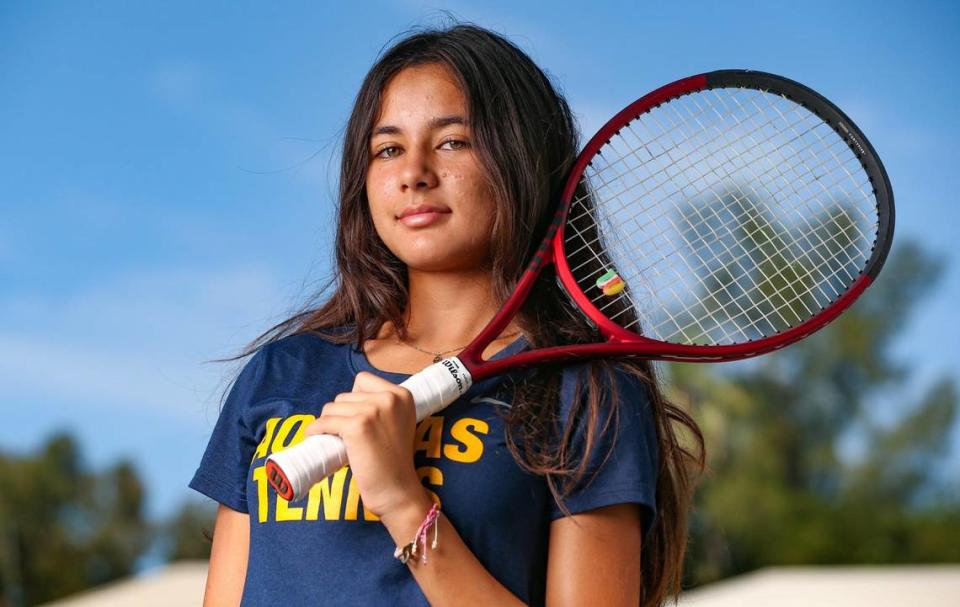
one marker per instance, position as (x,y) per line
(418,171)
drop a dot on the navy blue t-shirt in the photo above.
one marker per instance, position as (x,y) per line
(327,549)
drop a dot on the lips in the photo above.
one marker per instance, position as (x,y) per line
(422,215)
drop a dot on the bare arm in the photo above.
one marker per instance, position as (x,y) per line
(594,558)
(452,575)
(228,558)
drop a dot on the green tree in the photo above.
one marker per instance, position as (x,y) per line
(64,527)
(778,490)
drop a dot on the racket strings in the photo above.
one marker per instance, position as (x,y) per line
(649,191)
(828,148)
(742,195)
(808,171)
(644,269)
(592,261)
(654,236)
(738,198)
(730,215)
(743,309)
(738,300)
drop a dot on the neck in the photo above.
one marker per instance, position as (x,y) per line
(447,310)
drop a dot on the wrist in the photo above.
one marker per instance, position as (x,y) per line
(404,519)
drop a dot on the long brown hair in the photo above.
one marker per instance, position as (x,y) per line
(526,139)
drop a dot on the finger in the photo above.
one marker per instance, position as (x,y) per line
(349,409)
(350,397)
(379,405)
(328,424)
(368,382)
(384,400)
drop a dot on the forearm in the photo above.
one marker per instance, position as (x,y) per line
(452,574)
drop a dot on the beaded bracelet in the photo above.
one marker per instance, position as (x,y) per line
(408,551)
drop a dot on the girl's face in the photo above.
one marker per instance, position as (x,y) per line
(429,197)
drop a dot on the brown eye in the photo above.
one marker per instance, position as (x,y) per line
(455,144)
(390,151)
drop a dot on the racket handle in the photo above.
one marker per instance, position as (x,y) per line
(293,471)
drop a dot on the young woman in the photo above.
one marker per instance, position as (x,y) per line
(558,486)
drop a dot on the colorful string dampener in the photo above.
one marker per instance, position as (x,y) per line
(611,283)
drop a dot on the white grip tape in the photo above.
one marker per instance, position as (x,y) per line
(315,457)
(318,456)
(437,386)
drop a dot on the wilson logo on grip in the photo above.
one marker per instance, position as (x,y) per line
(455,372)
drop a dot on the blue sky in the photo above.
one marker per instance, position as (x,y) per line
(168,180)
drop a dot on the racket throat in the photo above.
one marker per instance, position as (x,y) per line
(472,355)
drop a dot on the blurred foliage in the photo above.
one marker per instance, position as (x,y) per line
(189,532)
(64,527)
(780,488)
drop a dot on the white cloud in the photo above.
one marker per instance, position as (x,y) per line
(138,341)
(77,372)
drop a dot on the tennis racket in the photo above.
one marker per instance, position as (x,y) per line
(719,217)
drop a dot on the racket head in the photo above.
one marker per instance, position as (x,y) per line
(726,214)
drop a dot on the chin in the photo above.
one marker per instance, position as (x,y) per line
(440,261)
(430,264)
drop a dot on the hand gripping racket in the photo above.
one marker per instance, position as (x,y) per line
(719,217)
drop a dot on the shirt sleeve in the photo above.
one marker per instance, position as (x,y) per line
(623,461)
(222,475)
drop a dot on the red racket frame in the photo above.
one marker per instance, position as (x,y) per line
(621,342)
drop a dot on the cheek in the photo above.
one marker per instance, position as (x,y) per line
(377,205)
(376,188)
(380,199)
(483,208)
(474,188)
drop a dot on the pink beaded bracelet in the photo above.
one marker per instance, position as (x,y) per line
(408,551)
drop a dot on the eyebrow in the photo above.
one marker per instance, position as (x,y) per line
(436,123)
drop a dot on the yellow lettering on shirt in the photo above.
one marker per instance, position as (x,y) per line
(295,424)
(353,500)
(264,445)
(465,446)
(260,477)
(353,503)
(434,476)
(285,512)
(329,493)
(471,446)
(428,436)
